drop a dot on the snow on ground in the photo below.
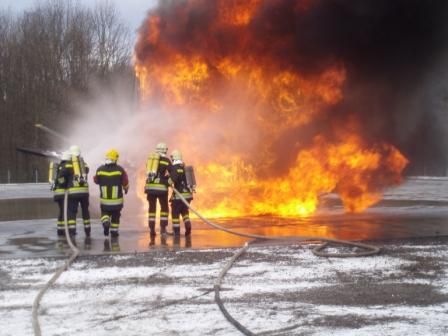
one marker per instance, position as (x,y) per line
(420,188)
(402,291)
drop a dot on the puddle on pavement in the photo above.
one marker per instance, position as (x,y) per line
(38,238)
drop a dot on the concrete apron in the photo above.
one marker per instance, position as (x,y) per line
(37,236)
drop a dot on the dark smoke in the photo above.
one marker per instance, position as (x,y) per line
(394,51)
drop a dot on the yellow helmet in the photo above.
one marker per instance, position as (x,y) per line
(176,155)
(112,154)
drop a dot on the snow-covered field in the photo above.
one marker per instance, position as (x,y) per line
(402,291)
(271,290)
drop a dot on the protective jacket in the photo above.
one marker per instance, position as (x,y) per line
(177,174)
(76,186)
(60,183)
(158,185)
(113,180)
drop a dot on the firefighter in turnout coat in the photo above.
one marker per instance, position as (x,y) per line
(178,208)
(156,188)
(59,185)
(113,181)
(78,190)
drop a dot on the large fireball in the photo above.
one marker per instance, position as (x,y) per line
(254,113)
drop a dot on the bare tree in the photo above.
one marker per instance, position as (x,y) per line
(112,39)
(48,53)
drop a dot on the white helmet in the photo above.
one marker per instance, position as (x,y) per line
(75,150)
(66,155)
(161,148)
(176,155)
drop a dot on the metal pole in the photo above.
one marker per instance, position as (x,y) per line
(9,176)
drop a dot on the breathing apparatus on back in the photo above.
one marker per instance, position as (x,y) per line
(53,169)
(79,166)
(176,156)
(191,179)
(52,174)
(152,165)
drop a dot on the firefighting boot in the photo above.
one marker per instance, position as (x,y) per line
(115,245)
(87,243)
(152,229)
(87,231)
(188,241)
(176,240)
(176,231)
(152,241)
(106,245)
(72,232)
(61,232)
(114,234)
(163,230)
(105,220)
(187,229)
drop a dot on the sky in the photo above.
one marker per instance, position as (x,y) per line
(132,11)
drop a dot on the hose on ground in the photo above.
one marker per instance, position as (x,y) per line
(369,250)
(217,287)
(57,274)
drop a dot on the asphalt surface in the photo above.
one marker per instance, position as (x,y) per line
(274,289)
(417,209)
(29,238)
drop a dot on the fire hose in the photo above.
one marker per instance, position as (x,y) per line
(74,255)
(318,251)
(370,250)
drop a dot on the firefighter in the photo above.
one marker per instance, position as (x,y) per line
(59,185)
(78,191)
(178,207)
(156,188)
(113,181)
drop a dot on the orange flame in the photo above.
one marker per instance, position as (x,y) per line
(237,107)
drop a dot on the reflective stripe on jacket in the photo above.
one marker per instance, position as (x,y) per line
(160,182)
(75,185)
(112,179)
(180,182)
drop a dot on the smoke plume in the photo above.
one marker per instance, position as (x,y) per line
(392,53)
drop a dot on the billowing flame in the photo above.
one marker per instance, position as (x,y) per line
(248,122)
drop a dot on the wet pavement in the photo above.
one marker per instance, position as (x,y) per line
(26,238)
(417,209)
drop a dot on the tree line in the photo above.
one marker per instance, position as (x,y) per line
(49,54)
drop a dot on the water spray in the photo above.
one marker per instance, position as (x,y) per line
(53,132)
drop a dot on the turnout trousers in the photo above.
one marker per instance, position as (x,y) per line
(163,201)
(110,218)
(60,222)
(73,202)
(178,209)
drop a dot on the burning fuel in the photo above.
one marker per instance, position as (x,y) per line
(279,101)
